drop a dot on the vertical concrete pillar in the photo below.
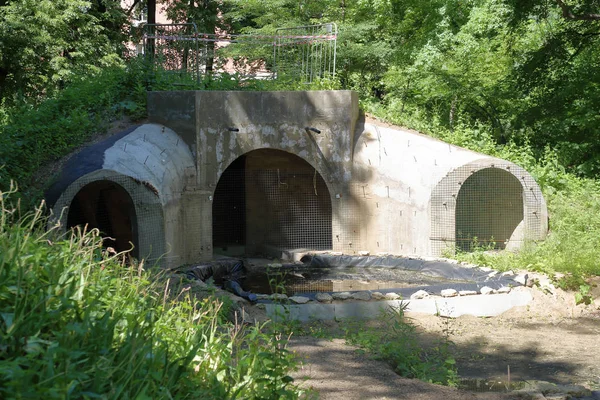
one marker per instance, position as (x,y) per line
(197,206)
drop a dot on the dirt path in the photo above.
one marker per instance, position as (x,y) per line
(338,372)
(550,340)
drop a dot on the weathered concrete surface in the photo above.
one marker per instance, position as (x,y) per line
(479,306)
(410,184)
(152,164)
(387,190)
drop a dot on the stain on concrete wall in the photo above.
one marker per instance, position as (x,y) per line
(301,169)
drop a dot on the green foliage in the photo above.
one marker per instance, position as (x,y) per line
(76,323)
(47,43)
(396,342)
(34,135)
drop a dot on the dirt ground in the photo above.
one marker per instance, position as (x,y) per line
(551,339)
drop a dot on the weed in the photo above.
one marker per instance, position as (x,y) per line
(396,342)
(76,323)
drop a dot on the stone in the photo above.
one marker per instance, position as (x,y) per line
(550,389)
(449,293)
(557,397)
(261,296)
(492,274)
(324,297)
(467,292)
(485,269)
(392,296)
(377,295)
(363,296)
(261,306)
(508,273)
(278,296)
(486,290)
(299,299)
(364,253)
(504,289)
(275,265)
(421,294)
(341,296)
(549,288)
(532,281)
(522,279)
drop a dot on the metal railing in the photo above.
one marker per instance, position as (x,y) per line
(303,53)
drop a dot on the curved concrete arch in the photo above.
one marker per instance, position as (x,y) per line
(445,200)
(330,185)
(263,203)
(148,210)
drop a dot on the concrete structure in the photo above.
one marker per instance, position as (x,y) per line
(250,172)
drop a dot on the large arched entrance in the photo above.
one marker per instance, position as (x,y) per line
(105,205)
(489,208)
(270,200)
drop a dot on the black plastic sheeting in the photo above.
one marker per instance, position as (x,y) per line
(88,160)
(441,269)
(226,272)
(457,277)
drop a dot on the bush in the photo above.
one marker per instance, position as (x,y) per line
(77,323)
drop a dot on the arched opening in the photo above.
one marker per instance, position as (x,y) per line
(489,208)
(105,205)
(270,200)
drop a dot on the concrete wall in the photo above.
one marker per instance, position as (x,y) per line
(391,190)
(410,185)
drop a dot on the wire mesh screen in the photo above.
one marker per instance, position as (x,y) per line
(257,210)
(489,207)
(184,55)
(486,208)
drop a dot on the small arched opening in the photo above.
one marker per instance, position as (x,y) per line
(489,210)
(106,206)
(270,200)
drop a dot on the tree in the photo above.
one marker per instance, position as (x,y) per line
(45,42)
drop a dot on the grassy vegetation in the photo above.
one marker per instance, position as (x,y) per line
(77,323)
(396,341)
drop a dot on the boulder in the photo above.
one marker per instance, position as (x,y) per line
(392,296)
(377,295)
(324,298)
(421,294)
(299,299)
(449,293)
(363,296)
(341,296)
(486,290)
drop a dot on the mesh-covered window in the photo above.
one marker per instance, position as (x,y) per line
(489,208)
(270,199)
(108,207)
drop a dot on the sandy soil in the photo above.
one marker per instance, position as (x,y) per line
(551,339)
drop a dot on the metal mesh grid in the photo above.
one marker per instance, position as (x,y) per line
(126,211)
(488,205)
(184,55)
(271,208)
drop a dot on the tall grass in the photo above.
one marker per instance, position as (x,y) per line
(77,323)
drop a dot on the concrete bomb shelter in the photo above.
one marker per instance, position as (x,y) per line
(266,173)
